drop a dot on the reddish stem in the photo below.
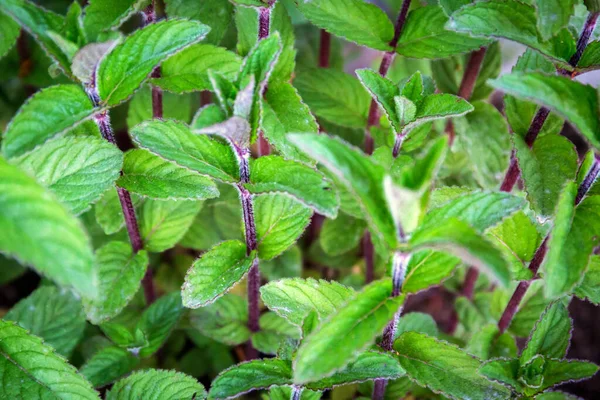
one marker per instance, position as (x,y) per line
(467,85)
(586,33)
(324,49)
(264,21)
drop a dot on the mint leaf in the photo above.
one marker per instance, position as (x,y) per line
(444,368)
(428,268)
(553,16)
(104,15)
(158,321)
(9,32)
(215,272)
(560,371)
(347,333)
(38,231)
(175,142)
(459,239)
(204,13)
(425,36)
(187,71)
(108,211)
(32,369)
(54,315)
(152,176)
(307,185)
(123,70)
(280,220)
(77,169)
(354,20)
(167,385)
(178,107)
(551,335)
(108,365)
(342,234)
(51,112)
(163,223)
(589,288)
(504,371)
(225,320)
(119,272)
(590,59)
(294,299)
(248,376)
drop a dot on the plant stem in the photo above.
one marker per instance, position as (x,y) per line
(324,49)
(368,254)
(264,22)
(296,393)
(513,304)
(586,33)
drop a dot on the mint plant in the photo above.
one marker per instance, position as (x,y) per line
(209,200)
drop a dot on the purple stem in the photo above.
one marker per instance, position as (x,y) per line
(324,49)
(586,33)
(368,254)
(264,22)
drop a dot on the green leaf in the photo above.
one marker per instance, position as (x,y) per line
(347,333)
(342,234)
(444,368)
(9,32)
(39,23)
(280,220)
(458,238)
(571,243)
(245,377)
(575,101)
(553,16)
(187,71)
(204,12)
(225,320)
(294,299)
(286,265)
(417,322)
(152,176)
(158,321)
(428,268)
(545,169)
(123,70)
(551,335)
(120,272)
(108,365)
(370,365)
(161,384)
(487,142)
(49,113)
(31,369)
(52,314)
(109,213)
(77,169)
(274,331)
(38,231)
(283,112)
(532,306)
(384,91)
(589,288)
(175,142)
(560,371)
(362,177)
(504,371)
(354,20)
(178,107)
(259,63)
(215,272)
(334,96)
(307,185)
(590,59)
(425,36)
(105,15)
(489,19)
(163,223)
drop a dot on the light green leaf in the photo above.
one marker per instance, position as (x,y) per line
(334,96)
(504,371)
(31,369)
(54,315)
(384,92)
(215,272)
(158,321)
(175,142)
(370,365)
(259,62)
(274,332)
(307,185)
(512,20)
(77,169)
(589,288)
(245,377)
(354,20)
(551,335)
(204,12)
(417,322)
(295,298)
(161,384)
(283,112)
(38,231)
(163,223)
(178,107)
(50,112)
(187,71)
(487,142)
(280,220)
(108,365)
(40,23)
(560,371)
(590,59)
(575,101)
(347,333)
(444,368)
(152,176)
(120,272)
(342,234)
(109,213)
(362,177)
(428,268)
(439,106)
(104,15)
(123,70)
(553,16)
(458,238)
(9,32)
(225,320)
(545,169)
(425,36)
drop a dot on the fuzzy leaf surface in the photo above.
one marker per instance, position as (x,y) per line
(161,384)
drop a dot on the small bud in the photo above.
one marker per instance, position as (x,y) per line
(592,5)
